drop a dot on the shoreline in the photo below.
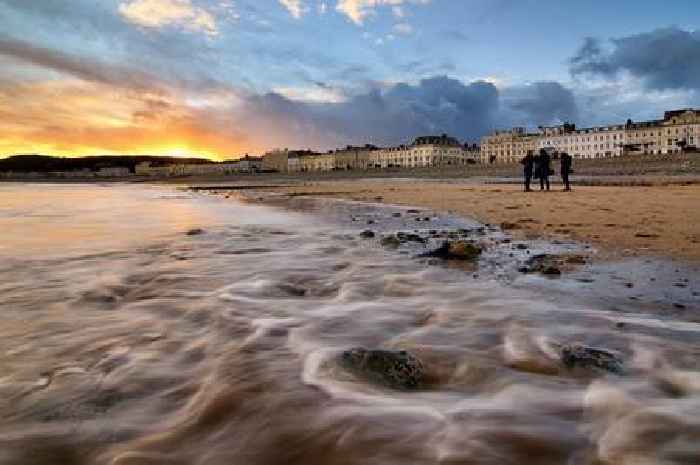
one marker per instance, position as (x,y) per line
(519,259)
(619,221)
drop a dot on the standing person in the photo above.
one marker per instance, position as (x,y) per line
(544,169)
(528,164)
(566,161)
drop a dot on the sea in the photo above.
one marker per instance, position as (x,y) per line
(157,325)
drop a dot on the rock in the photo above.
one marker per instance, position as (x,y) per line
(394,369)
(589,357)
(396,215)
(412,211)
(575,259)
(551,271)
(292,290)
(456,250)
(426,218)
(392,242)
(367,234)
(410,237)
(647,235)
(195,232)
(542,263)
(370,221)
(550,264)
(464,250)
(521,246)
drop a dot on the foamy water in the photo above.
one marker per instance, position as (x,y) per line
(123,340)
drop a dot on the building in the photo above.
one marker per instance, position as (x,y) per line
(507,146)
(389,157)
(293,163)
(313,161)
(643,138)
(679,130)
(113,172)
(423,152)
(352,158)
(596,142)
(276,160)
(246,164)
(249,164)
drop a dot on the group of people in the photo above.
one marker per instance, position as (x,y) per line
(540,166)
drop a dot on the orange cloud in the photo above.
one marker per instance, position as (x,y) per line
(72,117)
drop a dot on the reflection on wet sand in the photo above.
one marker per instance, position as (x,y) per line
(147,345)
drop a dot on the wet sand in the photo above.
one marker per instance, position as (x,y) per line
(619,221)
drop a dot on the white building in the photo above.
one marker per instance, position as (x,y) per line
(424,152)
(597,142)
(678,130)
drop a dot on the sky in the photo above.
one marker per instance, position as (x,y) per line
(222,78)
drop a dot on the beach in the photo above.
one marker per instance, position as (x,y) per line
(621,221)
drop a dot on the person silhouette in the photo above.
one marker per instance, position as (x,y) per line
(528,163)
(566,161)
(544,168)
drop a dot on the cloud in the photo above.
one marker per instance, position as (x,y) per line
(384,116)
(359,10)
(664,59)
(404,29)
(296,7)
(539,103)
(86,69)
(318,93)
(161,13)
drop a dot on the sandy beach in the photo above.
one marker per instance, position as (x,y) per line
(619,221)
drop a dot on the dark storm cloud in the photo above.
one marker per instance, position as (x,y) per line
(665,59)
(381,116)
(540,103)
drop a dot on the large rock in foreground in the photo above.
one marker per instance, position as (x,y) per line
(395,369)
(590,357)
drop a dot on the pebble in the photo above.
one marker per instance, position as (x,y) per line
(195,232)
